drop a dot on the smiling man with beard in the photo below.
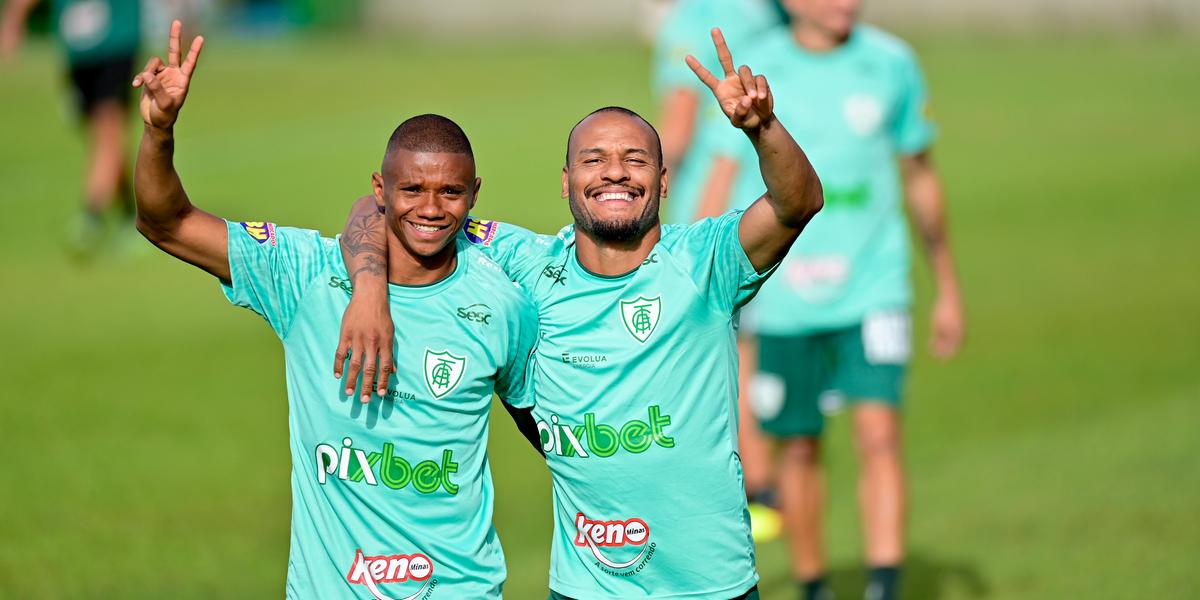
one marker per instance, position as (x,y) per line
(636,375)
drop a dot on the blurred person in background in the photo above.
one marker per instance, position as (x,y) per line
(834,325)
(692,128)
(100,39)
(392,499)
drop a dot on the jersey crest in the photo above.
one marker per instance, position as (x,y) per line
(640,316)
(443,371)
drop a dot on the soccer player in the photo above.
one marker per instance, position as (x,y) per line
(392,499)
(834,323)
(100,39)
(636,370)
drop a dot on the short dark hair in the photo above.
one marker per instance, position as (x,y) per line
(430,133)
(620,110)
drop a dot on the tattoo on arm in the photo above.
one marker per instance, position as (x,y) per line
(365,234)
(372,265)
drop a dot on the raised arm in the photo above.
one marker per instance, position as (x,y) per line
(793,197)
(927,211)
(367,332)
(164,214)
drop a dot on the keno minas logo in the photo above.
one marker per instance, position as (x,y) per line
(610,534)
(372,571)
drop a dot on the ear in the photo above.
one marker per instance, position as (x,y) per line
(475,194)
(662,187)
(566,190)
(377,185)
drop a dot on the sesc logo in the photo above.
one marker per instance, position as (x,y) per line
(371,571)
(476,313)
(595,535)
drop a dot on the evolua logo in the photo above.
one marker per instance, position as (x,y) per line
(595,535)
(372,571)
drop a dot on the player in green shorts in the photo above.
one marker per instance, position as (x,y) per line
(636,370)
(100,40)
(834,322)
(391,499)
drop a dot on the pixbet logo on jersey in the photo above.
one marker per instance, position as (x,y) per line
(371,571)
(601,440)
(595,535)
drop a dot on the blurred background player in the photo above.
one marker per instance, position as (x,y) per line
(692,128)
(100,39)
(834,323)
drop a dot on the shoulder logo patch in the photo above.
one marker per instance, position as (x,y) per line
(443,371)
(480,231)
(640,316)
(261,231)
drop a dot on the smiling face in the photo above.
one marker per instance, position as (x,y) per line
(614,176)
(426,196)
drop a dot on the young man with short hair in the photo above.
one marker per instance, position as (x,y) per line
(392,499)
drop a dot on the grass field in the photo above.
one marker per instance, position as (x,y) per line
(142,419)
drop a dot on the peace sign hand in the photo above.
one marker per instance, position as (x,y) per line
(164,87)
(744,96)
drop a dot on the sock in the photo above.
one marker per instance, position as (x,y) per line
(816,589)
(883,583)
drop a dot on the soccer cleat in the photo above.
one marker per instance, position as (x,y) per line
(765,523)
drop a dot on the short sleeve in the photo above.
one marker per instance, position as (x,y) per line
(270,267)
(717,262)
(912,129)
(517,250)
(682,33)
(514,383)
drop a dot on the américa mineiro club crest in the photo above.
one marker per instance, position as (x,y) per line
(443,371)
(640,316)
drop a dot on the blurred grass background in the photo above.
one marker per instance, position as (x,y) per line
(142,420)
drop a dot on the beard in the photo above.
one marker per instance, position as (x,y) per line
(615,230)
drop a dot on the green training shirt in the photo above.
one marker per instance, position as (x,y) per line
(96,30)
(636,385)
(687,31)
(391,499)
(855,110)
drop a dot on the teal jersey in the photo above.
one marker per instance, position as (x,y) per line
(636,385)
(95,30)
(392,498)
(855,110)
(687,31)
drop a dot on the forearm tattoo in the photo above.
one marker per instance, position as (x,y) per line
(365,240)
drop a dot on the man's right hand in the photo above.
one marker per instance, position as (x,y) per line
(165,87)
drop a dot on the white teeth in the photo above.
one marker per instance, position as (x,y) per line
(426,228)
(624,196)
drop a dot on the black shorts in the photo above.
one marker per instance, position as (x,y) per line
(107,80)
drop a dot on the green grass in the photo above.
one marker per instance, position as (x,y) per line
(142,420)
